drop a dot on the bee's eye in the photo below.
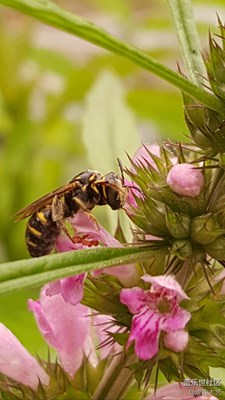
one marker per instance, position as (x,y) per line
(114,198)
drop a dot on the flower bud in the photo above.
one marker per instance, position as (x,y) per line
(143,158)
(195,121)
(222,160)
(205,229)
(178,224)
(185,180)
(176,341)
(182,248)
(216,249)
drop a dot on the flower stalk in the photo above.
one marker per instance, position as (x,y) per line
(116,380)
(188,39)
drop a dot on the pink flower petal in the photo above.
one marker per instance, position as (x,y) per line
(64,326)
(168,282)
(145,332)
(126,274)
(143,158)
(71,289)
(185,180)
(177,391)
(176,321)
(63,244)
(83,223)
(17,363)
(132,195)
(134,298)
(43,322)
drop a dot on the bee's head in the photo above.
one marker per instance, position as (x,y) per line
(115,193)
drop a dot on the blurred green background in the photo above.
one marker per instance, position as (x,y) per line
(66,106)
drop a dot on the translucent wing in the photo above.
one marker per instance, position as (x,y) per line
(46,200)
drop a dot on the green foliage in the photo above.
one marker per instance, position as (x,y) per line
(51,14)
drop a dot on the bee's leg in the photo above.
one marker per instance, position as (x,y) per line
(81,206)
(63,228)
(57,209)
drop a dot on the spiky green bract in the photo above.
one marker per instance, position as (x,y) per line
(206,331)
(190,227)
(58,385)
(61,386)
(207,127)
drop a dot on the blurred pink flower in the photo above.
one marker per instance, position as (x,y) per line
(133,193)
(177,391)
(185,180)
(155,310)
(68,329)
(142,158)
(17,363)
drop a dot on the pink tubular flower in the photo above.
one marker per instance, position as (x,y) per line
(68,329)
(185,180)
(177,391)
(17,363)
(88,234)
(155,310)
(64,326)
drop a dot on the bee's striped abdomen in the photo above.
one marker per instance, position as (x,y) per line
(41,233)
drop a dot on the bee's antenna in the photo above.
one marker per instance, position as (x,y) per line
(121,169)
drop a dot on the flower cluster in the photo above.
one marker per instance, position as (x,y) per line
(114,329)
(131,309)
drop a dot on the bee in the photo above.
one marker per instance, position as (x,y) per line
(83,192)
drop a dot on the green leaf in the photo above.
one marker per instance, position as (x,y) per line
(35,272)
(108,118)
(50,13)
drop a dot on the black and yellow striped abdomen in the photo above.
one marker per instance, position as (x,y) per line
(41,233)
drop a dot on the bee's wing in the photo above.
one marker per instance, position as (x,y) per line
(45,200)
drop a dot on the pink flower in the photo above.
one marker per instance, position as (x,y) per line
(133,193)
(177,391)
(63,326)
(88,234)
(155,310)
(68,329)
(185,180)
(71,289)
(17,363)
(142,158)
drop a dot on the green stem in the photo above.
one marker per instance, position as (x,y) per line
(53,15)
(116,381)
(188,39)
